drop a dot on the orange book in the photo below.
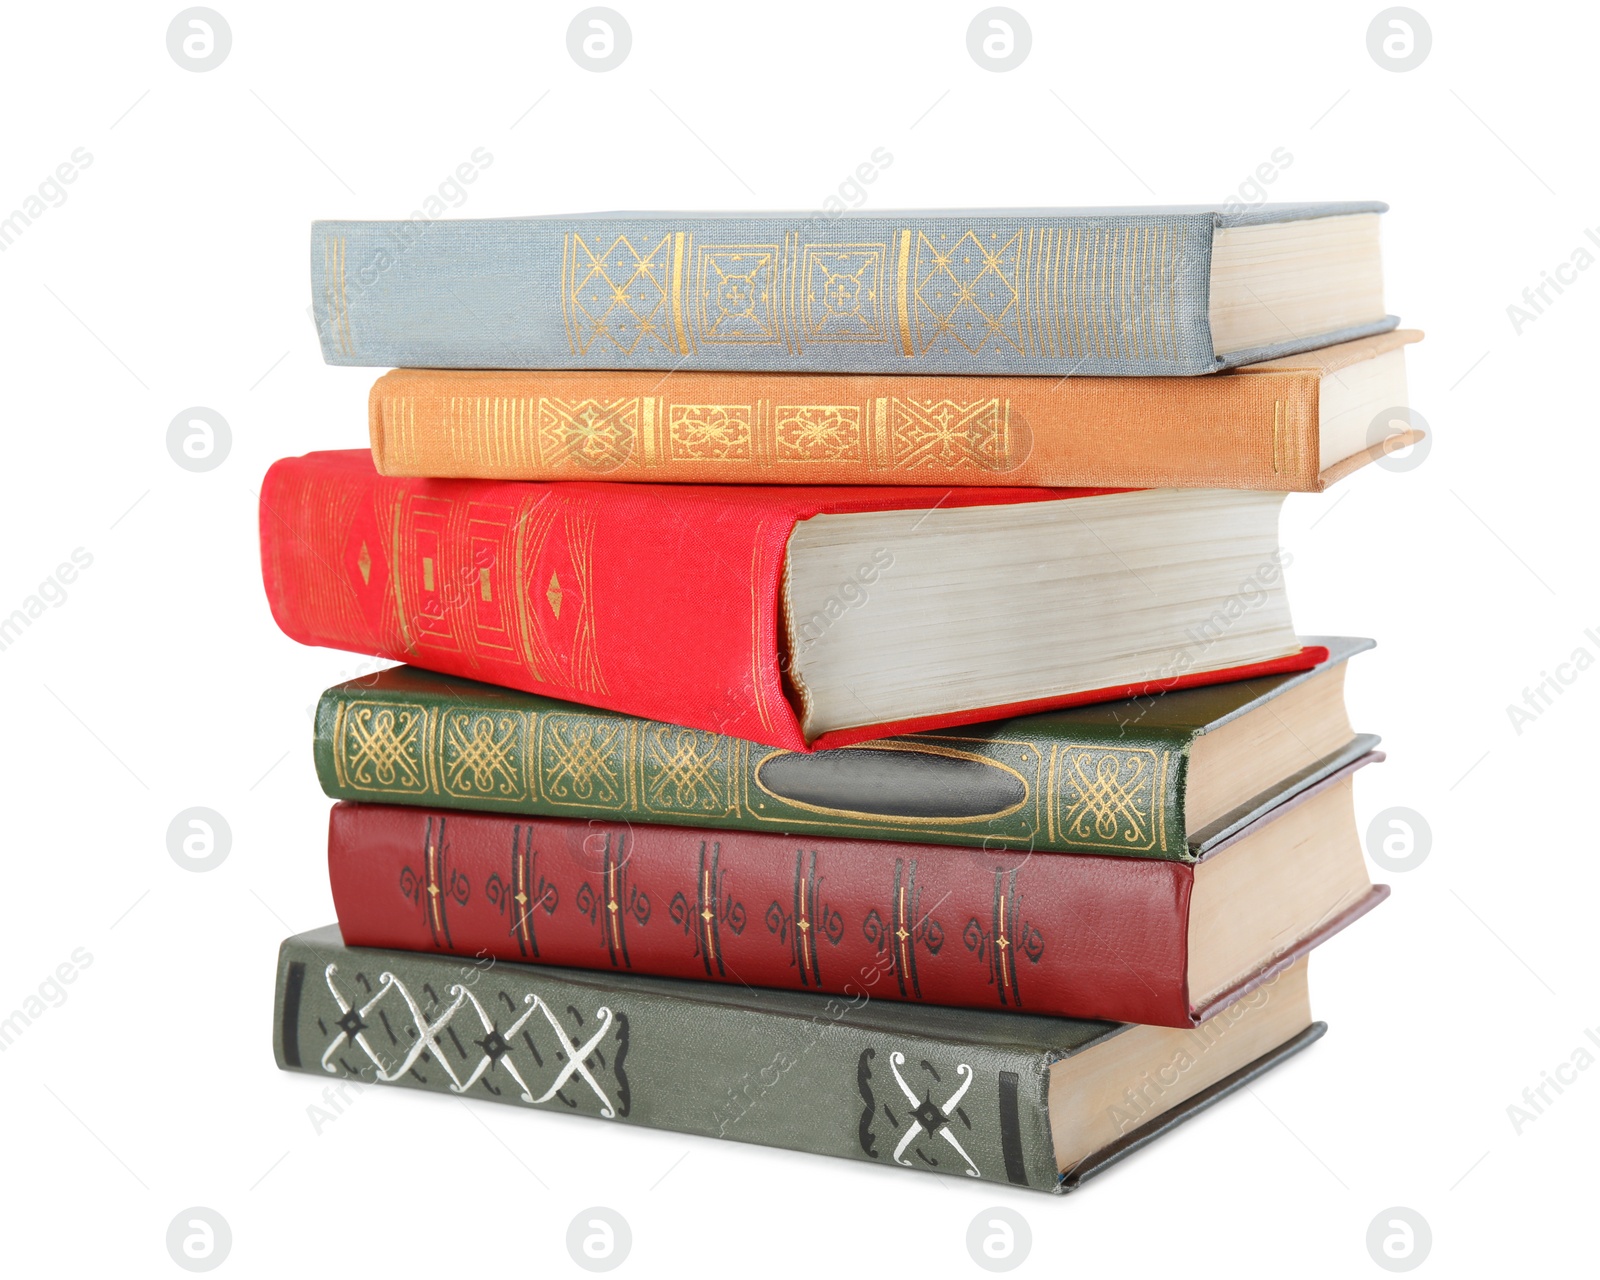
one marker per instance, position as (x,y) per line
(1294,424)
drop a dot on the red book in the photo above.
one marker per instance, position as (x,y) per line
(676,602)
(1083,936)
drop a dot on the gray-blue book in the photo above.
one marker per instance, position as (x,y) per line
(1161,291)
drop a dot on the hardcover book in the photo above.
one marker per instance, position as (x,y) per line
(1297,423)
(1169,776)
(1130,940)
(1004,1097)
(1174,290)
(793,616)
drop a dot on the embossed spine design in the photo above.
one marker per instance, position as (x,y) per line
(1122,797)
(1104,293)
(532,1037)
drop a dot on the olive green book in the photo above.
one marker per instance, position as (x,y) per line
(1166,776)
(1012,1098)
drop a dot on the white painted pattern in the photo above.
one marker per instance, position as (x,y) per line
(428,1032)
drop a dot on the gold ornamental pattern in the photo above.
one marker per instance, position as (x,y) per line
(616,293)
(484,754)
(589,433)
(382,748)
(952,435)
(710,433)
(688,772)
(819,433)
(583,761)
(1111,798)
(1053,288)
(884,433)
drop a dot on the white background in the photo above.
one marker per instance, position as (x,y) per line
(175,274)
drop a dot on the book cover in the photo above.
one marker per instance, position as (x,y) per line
(1087,936)
(1254,428)
(663,601)
(936,1090)
(1106,779)
(1045,291)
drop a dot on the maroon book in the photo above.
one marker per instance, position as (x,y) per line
(1077,935)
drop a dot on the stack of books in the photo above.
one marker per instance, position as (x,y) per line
(850,697)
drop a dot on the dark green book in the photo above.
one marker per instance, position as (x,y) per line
(1029,1101)
(1167,776)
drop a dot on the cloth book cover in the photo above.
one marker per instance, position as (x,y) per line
(1043,291)
(936,1090)
(1254,428)
(946,926)
(662,601)
(1104,779)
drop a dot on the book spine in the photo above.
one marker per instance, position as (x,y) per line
(478,750)
(1251,432)
(806,1077)
(943,926)
(915,292)
(586,592)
